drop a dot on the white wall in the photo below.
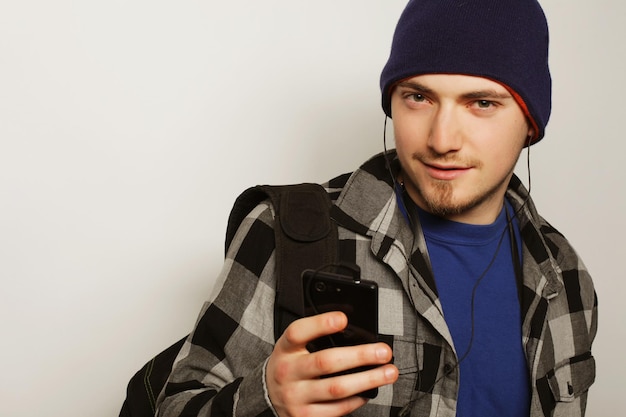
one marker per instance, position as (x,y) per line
(127,128)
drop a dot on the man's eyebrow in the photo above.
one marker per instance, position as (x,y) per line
(415,86)
(485,94)
(472,95)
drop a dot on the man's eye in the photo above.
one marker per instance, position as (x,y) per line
(484,104)
(417,97)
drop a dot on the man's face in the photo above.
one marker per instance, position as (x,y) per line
(458,138)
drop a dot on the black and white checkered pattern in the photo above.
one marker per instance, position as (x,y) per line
(220,370)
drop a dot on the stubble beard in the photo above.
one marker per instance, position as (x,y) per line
(440,201)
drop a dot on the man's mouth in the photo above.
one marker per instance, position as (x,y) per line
(446,172)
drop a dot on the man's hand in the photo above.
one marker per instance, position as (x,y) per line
(293,373)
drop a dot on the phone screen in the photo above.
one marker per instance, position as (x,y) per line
(358,300)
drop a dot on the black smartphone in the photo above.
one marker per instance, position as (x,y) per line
(357,299)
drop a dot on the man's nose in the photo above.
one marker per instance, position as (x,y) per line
(445,132)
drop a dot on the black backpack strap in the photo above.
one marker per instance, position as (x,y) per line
(305,235)
(243,205)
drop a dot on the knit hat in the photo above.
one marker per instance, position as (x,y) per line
(502,40)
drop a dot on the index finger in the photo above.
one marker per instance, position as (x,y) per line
(307,329)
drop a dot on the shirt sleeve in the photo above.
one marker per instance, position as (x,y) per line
(220,368)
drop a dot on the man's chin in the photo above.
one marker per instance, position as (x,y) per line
(446,210)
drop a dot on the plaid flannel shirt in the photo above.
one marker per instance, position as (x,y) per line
(220,369)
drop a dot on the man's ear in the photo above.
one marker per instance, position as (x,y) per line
(531,135)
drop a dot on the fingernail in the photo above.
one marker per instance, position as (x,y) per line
(337,321)
(381,353)
(390,373)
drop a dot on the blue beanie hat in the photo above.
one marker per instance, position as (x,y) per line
(502,40)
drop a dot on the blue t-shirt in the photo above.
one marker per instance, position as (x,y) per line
(494,377)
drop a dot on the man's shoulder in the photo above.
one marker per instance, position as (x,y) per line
(335,185)
(543,240)
(561,249)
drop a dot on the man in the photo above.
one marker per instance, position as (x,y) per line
(489,310)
